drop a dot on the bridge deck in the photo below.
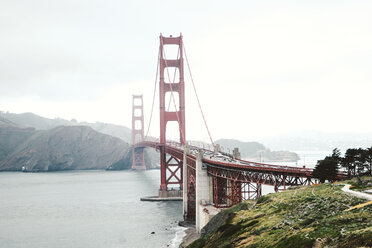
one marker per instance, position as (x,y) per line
(226,161)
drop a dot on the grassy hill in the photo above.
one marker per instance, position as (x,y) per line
(308,216)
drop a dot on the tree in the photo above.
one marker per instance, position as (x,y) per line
(327,168)
(367,158)
(348,162)
(336,154)
(360,160)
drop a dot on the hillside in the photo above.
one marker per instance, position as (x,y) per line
(257,152)
(308,216)
(61,148)
(118,131)
(26,120)
(246,148)
(11,137)
(6,123)
(30,121)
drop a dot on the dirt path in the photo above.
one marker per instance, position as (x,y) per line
(356,193)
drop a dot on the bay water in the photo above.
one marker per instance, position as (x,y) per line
(93,209)
(86,209)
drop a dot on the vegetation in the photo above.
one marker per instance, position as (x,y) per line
(356,162)
(327,168)
(361,183)
(308,216)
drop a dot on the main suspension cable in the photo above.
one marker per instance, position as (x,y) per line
(153,96)
(197,98)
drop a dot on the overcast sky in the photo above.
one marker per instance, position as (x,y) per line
(261,67)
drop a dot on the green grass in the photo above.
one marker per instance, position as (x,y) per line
(294,218)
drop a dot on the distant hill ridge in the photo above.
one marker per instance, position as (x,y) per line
(25,120)
(246,148)
(257,152)
(30,142)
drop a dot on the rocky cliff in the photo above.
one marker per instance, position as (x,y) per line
(61,148)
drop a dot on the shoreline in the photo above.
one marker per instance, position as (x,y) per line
(190,236)
(180,233)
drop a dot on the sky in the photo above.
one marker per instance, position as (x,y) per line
(261,68)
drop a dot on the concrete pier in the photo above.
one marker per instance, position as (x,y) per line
(157,198)
(204,195)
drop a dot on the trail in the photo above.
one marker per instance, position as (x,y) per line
(356,193)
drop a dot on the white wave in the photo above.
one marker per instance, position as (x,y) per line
(177,240)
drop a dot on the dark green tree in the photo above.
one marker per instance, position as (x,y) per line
(336,154)
(327,168)
(367,158)
(349,161)
(360,161)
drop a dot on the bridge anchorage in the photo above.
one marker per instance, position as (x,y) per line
(205,180)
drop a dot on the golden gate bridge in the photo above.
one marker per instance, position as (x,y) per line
(206,179)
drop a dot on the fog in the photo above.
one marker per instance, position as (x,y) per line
(261,68)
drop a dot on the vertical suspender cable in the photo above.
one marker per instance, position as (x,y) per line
(197,98)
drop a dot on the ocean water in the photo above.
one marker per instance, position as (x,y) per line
(86,209)
(93,209)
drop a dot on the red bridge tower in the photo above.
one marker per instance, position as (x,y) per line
(171,167)
(138,153)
